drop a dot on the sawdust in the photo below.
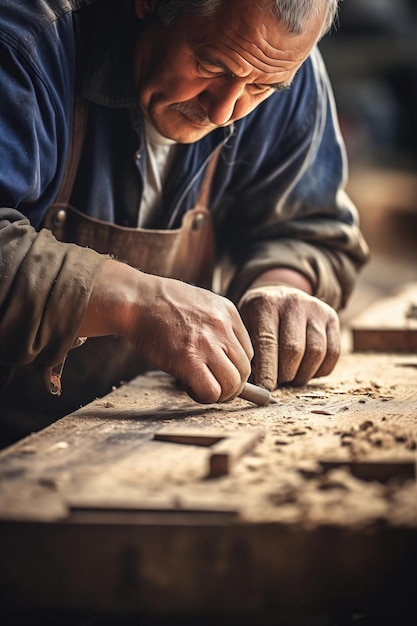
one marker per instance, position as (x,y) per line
(341,450)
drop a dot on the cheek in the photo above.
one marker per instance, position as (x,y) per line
(178,87)
(181,84)
(246,104)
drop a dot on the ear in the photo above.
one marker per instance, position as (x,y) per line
(142,7)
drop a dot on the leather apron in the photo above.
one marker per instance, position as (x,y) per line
(186,253)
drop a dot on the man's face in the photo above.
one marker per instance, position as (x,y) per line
(199,74)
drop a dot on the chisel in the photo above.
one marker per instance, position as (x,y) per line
(257,395)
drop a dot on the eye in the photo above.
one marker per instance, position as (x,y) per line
(205,72)
(256,89)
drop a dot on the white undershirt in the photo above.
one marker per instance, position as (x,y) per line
(160,153)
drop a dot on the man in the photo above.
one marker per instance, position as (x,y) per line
(178,104)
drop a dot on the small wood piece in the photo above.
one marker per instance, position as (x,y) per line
(380,471)
(188,436)
(388,325)
(226,447)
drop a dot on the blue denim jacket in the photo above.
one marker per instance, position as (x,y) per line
(278,195)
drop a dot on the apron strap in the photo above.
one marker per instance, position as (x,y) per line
(79,124)
(203,199)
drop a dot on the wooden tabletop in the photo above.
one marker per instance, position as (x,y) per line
(147,501)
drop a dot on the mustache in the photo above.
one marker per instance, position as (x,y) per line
(193,111)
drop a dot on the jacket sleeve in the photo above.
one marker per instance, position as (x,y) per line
(289,207)
(44,284)
(44,291)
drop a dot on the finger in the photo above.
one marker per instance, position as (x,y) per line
(203,387)
(234,327)
(322,351)
(292,345)
(209,390)
(228,357)
(239,350)
(314,353)
(214,377)
(333,348)
(231,373)
(243,338)
(263,328)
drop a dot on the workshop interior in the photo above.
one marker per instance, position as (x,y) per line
(321,574)
(372,63)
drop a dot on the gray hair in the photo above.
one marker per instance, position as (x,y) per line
(294,13)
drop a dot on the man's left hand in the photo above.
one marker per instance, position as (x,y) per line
(295,336)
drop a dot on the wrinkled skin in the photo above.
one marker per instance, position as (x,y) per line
(191,333)
(198,337)
(199,74)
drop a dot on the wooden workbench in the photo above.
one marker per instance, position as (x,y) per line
(315,511)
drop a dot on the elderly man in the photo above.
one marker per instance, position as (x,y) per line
(172,182)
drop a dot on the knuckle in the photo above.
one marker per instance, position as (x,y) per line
(316,351)
(247,372)
(256,302)
(291,349)
(333,351)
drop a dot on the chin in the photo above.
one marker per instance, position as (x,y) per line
(187,136)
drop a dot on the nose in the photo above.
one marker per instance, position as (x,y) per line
(220,98)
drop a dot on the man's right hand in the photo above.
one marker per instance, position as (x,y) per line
(191,333)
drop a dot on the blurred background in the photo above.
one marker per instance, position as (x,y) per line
(371,56)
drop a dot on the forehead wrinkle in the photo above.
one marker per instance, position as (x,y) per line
(269,51)
(287,54)
(269,66)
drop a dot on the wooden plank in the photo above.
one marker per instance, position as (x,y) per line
(105,454)
(388,325)
(321,511)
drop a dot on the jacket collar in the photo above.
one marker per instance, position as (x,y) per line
(109,78)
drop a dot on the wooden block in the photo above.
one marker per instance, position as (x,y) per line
(228,450)
(380,471)
(226,447)
(189,436)
(389,325)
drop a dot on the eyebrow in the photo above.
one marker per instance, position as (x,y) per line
(279,87)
